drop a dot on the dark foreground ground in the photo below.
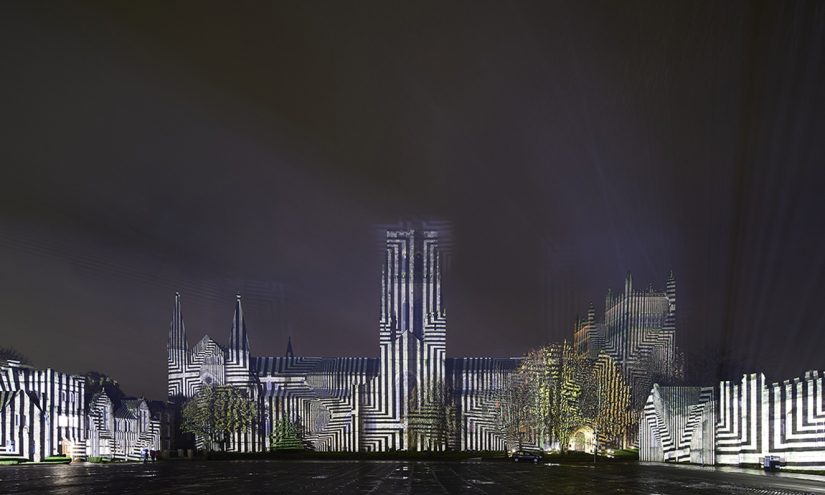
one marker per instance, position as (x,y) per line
(343,477)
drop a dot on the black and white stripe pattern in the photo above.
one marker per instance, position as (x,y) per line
(478,384)
(178,353)
(42,412)
(678,425)
(786,419)
(120,430)
(752,419)
(358,403)
(641,336)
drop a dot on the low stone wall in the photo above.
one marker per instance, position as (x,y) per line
(784,419)
(678,425)
(737,424)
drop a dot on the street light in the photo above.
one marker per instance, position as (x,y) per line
(596,420)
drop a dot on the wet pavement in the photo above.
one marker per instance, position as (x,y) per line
(344,477)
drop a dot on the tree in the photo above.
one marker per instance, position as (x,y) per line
(12,354)
(567,390)
(570,370)
(555,377)
(431,420)
(513,409)
(97,382)
(217,412)
(608,404)
(287,435)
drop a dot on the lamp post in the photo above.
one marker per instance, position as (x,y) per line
(596,420)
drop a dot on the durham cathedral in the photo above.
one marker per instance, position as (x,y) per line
(360,404)
(392,401)
(375,403)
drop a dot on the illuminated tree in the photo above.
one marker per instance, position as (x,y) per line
(537,394)
(217,412)
(607,403)
(567,390)
(287,435)
(511,407)
(570,372)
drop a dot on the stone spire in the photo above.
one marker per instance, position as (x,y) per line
(177,349)
(289,352)
(177,344)
(238,339)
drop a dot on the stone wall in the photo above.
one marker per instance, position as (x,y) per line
(752,419)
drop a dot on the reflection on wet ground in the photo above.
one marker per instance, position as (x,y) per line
(343,477)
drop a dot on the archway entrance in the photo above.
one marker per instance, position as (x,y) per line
(582,440)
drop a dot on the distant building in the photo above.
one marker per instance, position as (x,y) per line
(167,416)
(361,404)
(738,423)
(121,428)
(42,413)
(589,335)
(637,330)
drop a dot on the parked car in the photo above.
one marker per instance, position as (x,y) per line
(772,462)
(526,456)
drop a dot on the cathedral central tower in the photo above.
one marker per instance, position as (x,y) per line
(412,326)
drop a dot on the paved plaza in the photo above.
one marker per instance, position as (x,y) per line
(343,477)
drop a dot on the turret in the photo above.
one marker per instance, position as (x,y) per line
(289,352)
(177,349)
(670,292)
(238,340)
(177,345)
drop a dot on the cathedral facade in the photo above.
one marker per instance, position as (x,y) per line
(388,402)
(638,330)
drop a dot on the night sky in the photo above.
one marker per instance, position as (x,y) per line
(216,147)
